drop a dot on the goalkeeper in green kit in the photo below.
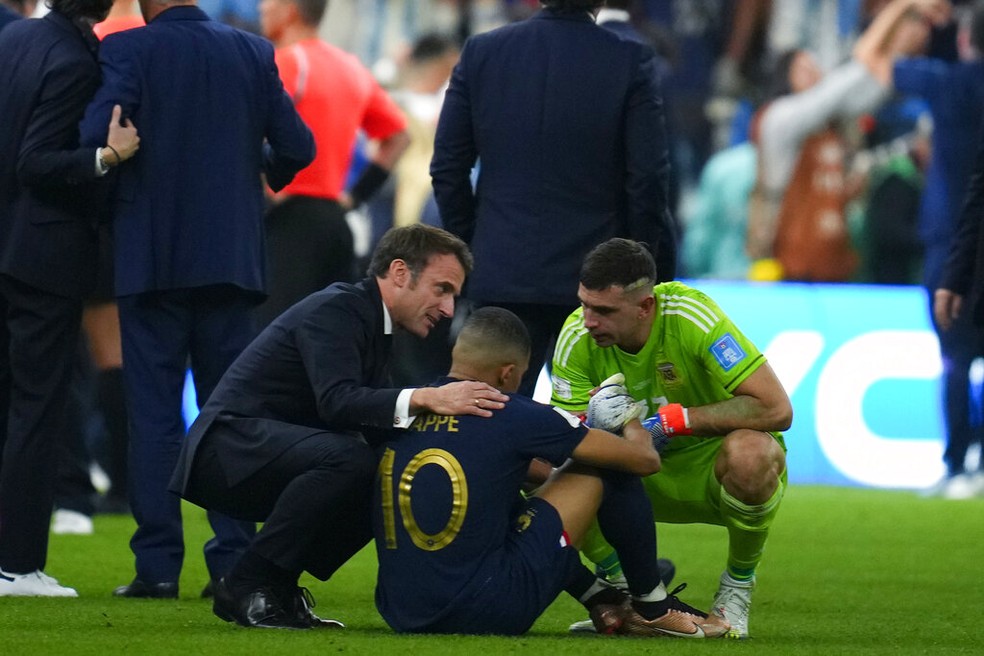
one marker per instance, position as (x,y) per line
(712,403)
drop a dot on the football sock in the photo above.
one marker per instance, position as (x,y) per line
(601,593)
(582,583)
(626,520)
(748,530)
(652,605)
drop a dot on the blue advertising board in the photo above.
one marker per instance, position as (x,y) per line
(861,364)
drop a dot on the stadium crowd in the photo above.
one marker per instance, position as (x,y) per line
(816,141)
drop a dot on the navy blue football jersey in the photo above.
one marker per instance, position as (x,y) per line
(445,496)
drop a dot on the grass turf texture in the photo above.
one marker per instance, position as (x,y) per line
(847,571)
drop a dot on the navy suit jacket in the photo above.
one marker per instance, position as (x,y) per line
(7,16)
(964,271)
(565,120)
(48,202)
(203,96)
(321,366)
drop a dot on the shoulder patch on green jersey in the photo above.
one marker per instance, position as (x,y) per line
(727,352)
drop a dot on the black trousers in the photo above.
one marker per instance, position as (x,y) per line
(315,498)
(38,339)
(309,246)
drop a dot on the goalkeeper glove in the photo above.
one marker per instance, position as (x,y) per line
(669,421)
(612,406)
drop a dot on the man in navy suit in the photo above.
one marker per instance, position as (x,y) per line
(48,214)
(189,243)
(281,438)
(565,120)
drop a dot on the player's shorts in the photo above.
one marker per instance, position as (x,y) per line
(519,580)
(685,491)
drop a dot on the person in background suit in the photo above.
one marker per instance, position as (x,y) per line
(188,229)
(50,207)
(279,441)
(961,288)
(565,119)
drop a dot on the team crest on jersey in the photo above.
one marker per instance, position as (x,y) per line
(524,521)
(668,373)
(727,352)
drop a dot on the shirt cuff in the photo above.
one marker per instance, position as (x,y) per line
(101,167)
(401,416)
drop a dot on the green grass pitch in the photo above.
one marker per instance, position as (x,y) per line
(846,571)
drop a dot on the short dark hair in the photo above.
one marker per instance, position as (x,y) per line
(416,244)
(618,262)
(312,11)
(494,333)
(432,46)
(572,5)
(97,9)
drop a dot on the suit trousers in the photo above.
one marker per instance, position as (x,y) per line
(162,333)
(314,498)
(38,339)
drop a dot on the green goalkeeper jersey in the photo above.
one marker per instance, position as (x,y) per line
(694,356)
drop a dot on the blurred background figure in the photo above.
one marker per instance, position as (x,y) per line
(961,293)
(309,242)
(954,92)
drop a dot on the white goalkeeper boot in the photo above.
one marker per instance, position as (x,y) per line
(732,603)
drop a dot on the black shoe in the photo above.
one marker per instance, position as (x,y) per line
(140,590)
(259,608)
(299,612)
(209,590)
(667,570)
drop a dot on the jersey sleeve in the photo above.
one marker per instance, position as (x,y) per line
(547,432)
(726,354)
(571,371)
(287,64)
(383,116)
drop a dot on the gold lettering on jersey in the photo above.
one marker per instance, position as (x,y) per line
(436,423)
(386,490)
(459,498)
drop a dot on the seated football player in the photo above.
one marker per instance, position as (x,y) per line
(461,551)
(714,403)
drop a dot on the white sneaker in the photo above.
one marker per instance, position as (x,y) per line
(34,584)
(962,486)
(70,522)
(731,603)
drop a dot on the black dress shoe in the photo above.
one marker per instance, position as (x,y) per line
(259,608)
(300,614)
(139,589)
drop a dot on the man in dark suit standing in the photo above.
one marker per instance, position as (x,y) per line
(48,217)
(565,120)
(961,291)
(189,243)
(279,440)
